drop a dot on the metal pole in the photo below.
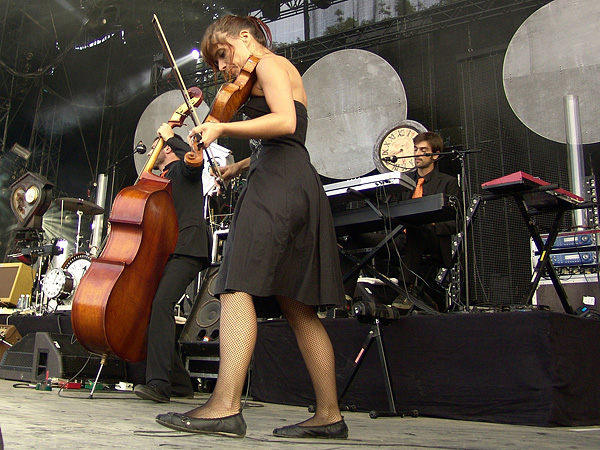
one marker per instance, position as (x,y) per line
(99,219)
(575,162)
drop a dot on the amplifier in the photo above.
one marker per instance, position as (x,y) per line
(9,336)
(16,279)
(580,239)
(58,356)
(583,258)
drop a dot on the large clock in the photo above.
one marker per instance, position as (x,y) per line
(394,149)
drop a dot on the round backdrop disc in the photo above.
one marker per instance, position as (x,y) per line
(353,96)
(555,53)
(159,111)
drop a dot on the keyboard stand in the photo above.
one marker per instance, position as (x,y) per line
(363,263)
(544,264)
(375,335)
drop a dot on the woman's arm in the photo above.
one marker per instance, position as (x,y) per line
(273,80)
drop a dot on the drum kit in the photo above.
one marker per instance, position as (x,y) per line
(64,272)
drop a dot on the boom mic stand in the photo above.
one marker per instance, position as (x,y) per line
(461,154)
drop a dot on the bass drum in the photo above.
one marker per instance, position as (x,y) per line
(75,266)
(57,284)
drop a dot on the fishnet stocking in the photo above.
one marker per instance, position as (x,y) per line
(237,335)
(317,351)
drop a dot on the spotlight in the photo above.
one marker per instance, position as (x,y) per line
(21,151)
(196,51)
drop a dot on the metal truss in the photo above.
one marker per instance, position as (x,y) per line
(46,140)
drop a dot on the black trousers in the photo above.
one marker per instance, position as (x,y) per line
(164,367)
(419,241)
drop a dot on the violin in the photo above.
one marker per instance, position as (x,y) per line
(230,98)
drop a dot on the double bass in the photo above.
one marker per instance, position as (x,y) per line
(112,304)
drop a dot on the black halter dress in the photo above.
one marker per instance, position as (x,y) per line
(281,240)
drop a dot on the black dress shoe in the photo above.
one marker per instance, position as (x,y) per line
(233,426)
(337,430)
(150,392)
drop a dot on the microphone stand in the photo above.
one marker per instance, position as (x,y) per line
(114,166)
(460,154)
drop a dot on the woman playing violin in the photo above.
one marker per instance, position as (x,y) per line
(281,242)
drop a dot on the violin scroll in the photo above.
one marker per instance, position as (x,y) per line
(193,158)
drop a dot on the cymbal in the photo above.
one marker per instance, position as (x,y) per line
(79,204)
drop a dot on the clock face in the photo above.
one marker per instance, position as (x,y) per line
(394,150)
(32,194)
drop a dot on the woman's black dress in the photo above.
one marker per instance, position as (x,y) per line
(281,240)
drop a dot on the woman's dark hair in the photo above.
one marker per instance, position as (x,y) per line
(232,26)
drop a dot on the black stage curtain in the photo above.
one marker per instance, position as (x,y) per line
(529,368)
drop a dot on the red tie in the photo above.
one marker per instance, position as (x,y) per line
(418,193)
(164,173)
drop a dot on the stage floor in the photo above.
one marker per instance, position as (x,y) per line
(33,419)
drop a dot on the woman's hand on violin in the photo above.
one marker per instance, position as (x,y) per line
(208,133)
(165,132)
(228,172)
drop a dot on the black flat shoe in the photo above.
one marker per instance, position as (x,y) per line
(150,392)
(337,430)
(234,426)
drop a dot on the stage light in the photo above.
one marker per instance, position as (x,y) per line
(21,151)
(196,51)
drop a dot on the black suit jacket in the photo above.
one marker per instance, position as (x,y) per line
(186,184)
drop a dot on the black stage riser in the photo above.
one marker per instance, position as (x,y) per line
(526,368)
(43,354)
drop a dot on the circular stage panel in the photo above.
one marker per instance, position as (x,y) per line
(158,112)
(555,53)
(353,96)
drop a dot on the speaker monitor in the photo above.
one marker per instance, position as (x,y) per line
(15,279)
(58,356)
(202,325)
(9,336)
(200,335)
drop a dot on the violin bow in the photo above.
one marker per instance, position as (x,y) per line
(186,96)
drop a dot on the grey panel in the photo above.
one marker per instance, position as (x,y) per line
(556,52)
(353,96)
(158,112)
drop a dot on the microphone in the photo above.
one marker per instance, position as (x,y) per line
(391,159)
(140,148)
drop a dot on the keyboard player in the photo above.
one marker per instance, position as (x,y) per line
(404,258)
